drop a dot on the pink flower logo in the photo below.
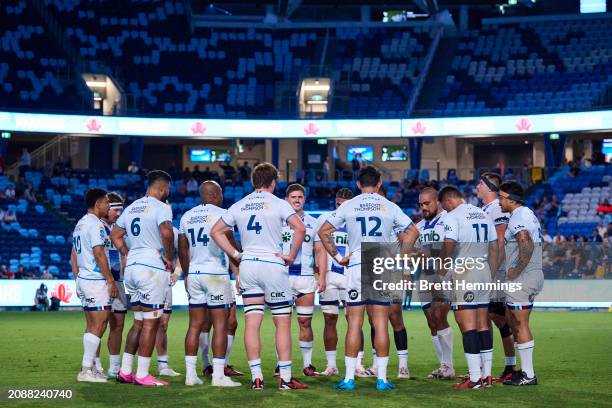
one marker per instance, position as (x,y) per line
(93,126)
(523,125)
(62,292)
(198,128)
(311,129)
(418,128)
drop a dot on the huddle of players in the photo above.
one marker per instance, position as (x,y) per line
(267,274)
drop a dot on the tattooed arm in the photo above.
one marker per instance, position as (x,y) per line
(327,239)
(525,249)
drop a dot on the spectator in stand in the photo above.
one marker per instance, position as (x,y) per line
(554,207)
(9,192)
(9,217)
(327,168)
(596,237)
(25,162)
(36,273)
(29,195)
(192,185)
(181,188)
(356,163)
(245,171)
(47,274)
(197,174)
(20,274)
(3,272)
(604,208)
(587,270)
(558,238)
(133,168)
(10,274)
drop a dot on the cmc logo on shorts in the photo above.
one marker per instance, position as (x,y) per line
(145,296)
(468,296)
(217,297)
(353,294)
(277,294)
(62,292)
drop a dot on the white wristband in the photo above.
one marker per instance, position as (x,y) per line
(236,254)
(338,258)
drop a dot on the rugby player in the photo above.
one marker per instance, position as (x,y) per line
(335,284)
(263,276)
(523,265)
(94,281)
(207,282)
(488,189)
(119,306)
(368,217)
(301,274)
(469,237)
(147,223)
(435,303)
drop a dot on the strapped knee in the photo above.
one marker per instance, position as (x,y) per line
(471,342)
(138,316)
(257,308)
(330,309)
(505,331)
(152,315)
(304,311)
(281,309)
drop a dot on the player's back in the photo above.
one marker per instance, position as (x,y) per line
(370,217)
(205,255)
(259,217)
(141,221)
(523,219)
(88,234)
(471,228)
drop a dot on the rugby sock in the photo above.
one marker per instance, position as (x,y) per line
(381,367)
(374,358)
(437,346)
(143,366)
(401,344)
(526,352)
(218,366)
(255,366)
(190,366)
(360,359)
(98,364)
(446,342)
(162,362)
(306,348)
(510,360)
(285,370)
(113,361)
(350,363)
(90,347)
(230,343)
(486,352)
(204,348)
(471,348)
(331,358)
(126,363)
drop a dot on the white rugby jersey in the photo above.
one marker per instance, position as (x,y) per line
(340,236)
(470,227)
(493,210)
(141,221)
(259,217)
(432,231)
(205,257)
(304,261)
(369,217)
(523,219)
(88,234)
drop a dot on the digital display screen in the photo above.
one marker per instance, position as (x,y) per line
(394,153)
(366,152)
(209,155)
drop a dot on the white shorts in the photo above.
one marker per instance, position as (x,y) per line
(335,289)
(531,285)
(93,294)
(209,291)
(427,296)
(498,295)
(147,286)
(120,303)
(466,297)
(302,285)
(265,278)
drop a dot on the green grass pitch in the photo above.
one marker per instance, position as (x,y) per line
(573,360)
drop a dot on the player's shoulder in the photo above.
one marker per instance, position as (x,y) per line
(421,224)
(309,220)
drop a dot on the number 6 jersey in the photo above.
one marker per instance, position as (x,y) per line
(141,221)
(205,255)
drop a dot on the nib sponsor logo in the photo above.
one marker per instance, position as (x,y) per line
(62,292)
(418,129)
(198,128)
(93,125)
(311,129)
(523,125)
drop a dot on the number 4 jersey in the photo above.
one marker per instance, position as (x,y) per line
(205,255)
(141,221)
(259,217)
